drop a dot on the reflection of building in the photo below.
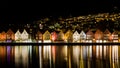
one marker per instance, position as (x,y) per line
(76,56)
(3,53)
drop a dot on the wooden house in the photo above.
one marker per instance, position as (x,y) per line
(76,37)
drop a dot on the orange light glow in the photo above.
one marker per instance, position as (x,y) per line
(3,36)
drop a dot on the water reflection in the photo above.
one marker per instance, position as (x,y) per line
(21,56)
(2,55)
(67,56)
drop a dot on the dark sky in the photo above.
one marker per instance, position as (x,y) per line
(26,12)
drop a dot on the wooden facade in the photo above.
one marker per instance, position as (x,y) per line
(54,36)
(3,36)
(18,36)
(69,36)
(46,35)
(24,35)
(76,37)
(39,36)
(10,35)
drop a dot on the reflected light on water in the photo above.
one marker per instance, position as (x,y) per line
(89,49)
(21,56)
(64,52)
(17,55)
(115,60)
(98,49)
(24,56)
(105,49)
(54,53)
(66,56)
(2,53)
(47,53)
(76,54)
(40,55)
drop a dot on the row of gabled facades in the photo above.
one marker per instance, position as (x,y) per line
(69,36)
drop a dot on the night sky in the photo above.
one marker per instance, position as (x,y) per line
(27,12)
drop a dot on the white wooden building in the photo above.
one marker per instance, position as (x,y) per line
(76,36)
(18,36)
(25,36)
(82,36)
